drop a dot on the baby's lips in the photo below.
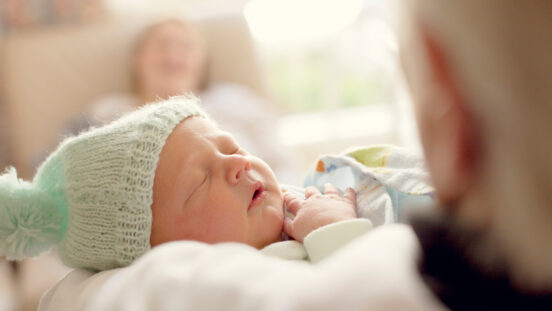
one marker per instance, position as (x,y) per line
(257,186)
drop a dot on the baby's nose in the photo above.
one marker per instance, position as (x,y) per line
(237,165)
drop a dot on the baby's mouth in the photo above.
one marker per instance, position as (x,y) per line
(259,194)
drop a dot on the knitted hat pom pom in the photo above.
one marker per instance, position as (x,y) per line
(31,220)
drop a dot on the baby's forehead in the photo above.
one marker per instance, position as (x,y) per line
(197,125)
(199,128)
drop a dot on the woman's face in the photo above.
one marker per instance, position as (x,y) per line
(170,61)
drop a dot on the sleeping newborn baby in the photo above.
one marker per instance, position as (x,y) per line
(166,173)
(209,189)
(160,174)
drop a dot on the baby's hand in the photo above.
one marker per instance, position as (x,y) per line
(318,210)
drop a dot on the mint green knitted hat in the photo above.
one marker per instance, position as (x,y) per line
(92,197)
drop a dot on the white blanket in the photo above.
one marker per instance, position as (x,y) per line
(375,272)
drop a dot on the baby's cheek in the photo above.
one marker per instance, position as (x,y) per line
(168,228)
(185,227)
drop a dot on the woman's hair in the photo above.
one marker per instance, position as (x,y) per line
(146,35)
(500,54)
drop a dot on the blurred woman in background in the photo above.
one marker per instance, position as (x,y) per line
(170,59)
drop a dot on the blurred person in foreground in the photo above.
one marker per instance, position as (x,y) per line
(480,74)
(170,59)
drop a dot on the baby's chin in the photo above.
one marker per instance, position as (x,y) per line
(274,224)
(276,237)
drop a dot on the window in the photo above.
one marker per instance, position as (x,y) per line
(337,90)
(353,69)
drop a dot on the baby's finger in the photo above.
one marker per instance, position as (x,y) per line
(331,189)
(292,202)
(310,191)
(288,226)
(350,195)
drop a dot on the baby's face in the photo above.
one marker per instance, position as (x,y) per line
(209,189)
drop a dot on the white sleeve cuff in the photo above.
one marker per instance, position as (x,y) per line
(325,240)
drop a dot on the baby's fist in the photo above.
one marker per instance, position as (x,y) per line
(318,210)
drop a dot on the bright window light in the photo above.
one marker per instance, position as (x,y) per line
(299,21)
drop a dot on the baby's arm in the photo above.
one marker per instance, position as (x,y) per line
(324,222)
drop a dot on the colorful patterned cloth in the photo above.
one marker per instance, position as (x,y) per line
(386,179)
